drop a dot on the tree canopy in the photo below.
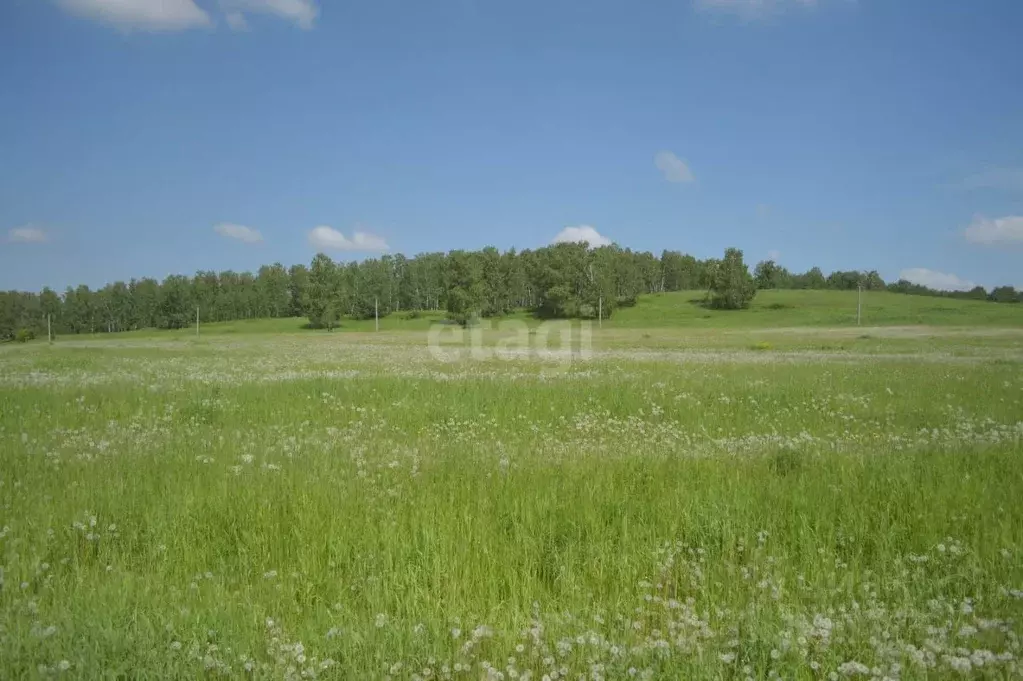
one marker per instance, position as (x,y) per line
(562,280)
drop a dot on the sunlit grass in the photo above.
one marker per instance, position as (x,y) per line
(682,310)
(349,507)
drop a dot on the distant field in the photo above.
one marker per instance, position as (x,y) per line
(770,309)
(817,308)
(686,503)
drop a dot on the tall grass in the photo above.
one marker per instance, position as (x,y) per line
(224,510)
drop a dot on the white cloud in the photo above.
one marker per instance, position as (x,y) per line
(302,12)
(1000,231)
(582,233)
(239,232)
(936,280)
(774,255)
(145,15)
(1004,179)
(27,235)
(674,168)
(329,239)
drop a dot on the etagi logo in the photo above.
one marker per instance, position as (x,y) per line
(559,341)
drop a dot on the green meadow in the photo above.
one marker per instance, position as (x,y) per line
(684,311)
(771,493)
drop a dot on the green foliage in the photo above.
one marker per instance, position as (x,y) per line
(466,293)
(1004,294)
(322,292)
(559,281)
(175,306)
(814,278)
(733,287)
(24,335)
(328,320)
(767,274)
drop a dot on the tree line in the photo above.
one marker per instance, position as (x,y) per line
(567,280)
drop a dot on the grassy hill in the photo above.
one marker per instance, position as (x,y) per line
(683,310)
(816,308)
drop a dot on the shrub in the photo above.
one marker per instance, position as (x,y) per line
(24,335)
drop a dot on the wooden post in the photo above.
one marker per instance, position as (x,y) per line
(196,321)
(859,302)
(376,312)
(49,334)
(600,312)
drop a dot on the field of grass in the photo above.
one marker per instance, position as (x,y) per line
(817,308)
(683,309)
(694,503)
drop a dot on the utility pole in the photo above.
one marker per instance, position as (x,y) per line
(859,302)
(196,321)
(376,312)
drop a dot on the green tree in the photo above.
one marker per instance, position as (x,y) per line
(205,291)
(733,287)
(813,279)
(175,309)
(872,281)
(322,298)
(272,289)
(298,280)
(50,305)
(977,293)
(766,274)
(145,295)
(21,316)
(466,292)
(78,309)
(1004,294)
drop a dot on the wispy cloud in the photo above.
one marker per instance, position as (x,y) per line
(27,235)
(674,168)
(302,13)
(143,15)
(582,233)
(329,239)
(180,15)
(1002,179)
(751,9)
(238,232)
(936,280)
(1005,231)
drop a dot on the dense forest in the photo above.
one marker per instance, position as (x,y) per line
(562,280)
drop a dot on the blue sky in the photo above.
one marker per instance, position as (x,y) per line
(150,137)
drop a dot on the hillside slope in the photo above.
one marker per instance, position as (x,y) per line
(778,308)
(684,310)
